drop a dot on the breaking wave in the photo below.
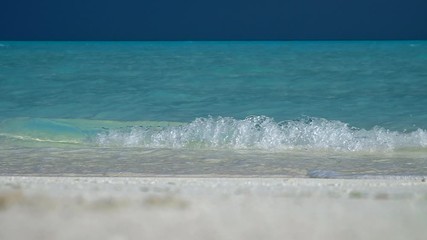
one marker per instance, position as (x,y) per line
(261,132)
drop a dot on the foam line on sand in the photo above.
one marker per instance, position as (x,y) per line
(211,208)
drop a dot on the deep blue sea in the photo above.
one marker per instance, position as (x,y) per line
(352,109)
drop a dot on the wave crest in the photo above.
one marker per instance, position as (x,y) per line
(261,132)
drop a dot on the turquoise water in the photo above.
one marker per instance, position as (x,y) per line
(304,109)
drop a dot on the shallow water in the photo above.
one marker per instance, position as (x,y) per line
(305,109)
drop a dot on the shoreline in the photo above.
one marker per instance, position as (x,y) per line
(211,208)
(411,178)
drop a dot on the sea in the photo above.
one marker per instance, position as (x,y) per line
(303,109)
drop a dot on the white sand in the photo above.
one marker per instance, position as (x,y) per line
(211,208)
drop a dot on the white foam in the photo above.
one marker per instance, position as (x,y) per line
(260,132)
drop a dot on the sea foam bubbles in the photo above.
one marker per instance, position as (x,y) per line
(261,132)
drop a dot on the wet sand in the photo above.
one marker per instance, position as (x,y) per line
(211,208)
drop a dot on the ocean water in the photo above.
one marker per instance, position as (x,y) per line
(292,109)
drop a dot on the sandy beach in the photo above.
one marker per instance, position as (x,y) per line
(211,208)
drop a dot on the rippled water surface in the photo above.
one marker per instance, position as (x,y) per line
(307,109)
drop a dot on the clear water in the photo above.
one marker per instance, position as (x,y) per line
(300,109)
